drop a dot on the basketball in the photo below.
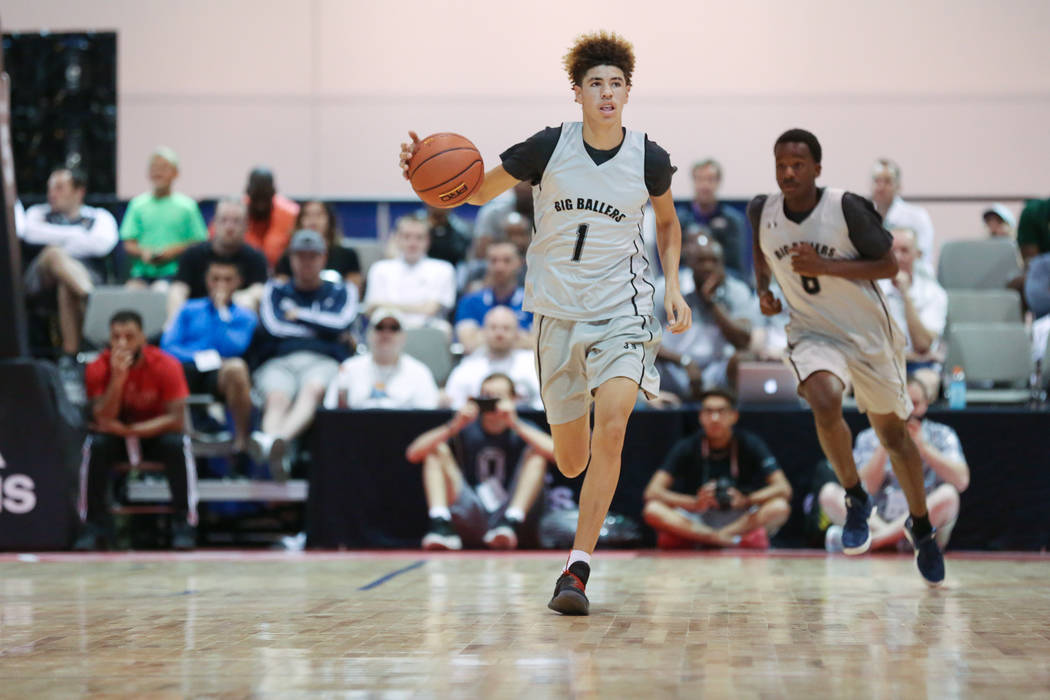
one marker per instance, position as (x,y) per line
(445,170)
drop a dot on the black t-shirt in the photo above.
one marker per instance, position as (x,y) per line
(528,159)
(340,258)
(866,232)
(194,261)
(482,456)
(686,463)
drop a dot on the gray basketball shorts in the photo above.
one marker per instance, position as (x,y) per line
(574,358)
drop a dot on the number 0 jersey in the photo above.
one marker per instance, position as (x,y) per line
(853,311)
(586,261)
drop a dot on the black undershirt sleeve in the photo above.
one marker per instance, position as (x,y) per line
(754,211)
(658,169)
(866,232)
(528,159)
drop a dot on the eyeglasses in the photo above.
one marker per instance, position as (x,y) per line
(717,411)
(391,327)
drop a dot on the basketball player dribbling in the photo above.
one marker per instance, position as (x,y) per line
(588,281)
(827,247)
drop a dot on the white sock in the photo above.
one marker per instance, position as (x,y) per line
(578,555)
(440,512)
(515,514)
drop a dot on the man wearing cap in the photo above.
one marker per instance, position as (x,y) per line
(885,195)
(999,221)
(304,324)
(160,224)
(384,377)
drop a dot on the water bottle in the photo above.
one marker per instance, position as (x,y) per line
(1037,395)
(957,388)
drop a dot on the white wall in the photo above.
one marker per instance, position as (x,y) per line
(323,90)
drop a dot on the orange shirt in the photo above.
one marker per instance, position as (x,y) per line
(272,236)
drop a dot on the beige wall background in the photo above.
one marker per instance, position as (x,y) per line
(324,90)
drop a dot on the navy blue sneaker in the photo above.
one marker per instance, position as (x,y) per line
(928,556)
(856,537)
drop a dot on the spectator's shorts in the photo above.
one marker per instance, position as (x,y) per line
(289,373)
(36,281)
(574,358)
(878,382)
(201,382)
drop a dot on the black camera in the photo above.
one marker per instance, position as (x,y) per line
(485,403)
(722,497)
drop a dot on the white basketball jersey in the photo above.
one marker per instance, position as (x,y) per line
(587,260)
(853,311)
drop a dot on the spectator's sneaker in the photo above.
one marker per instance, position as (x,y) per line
(503,536)
(856,537)
(273,451)
(570,597)
(833,539)
(756,539)
(441,535)
(92,538)
(928,556)
(183,535)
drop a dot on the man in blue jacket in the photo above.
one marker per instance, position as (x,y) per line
(209,336)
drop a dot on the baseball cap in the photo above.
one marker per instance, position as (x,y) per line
(1002,212)
(382,314)
(167,154)
(306,240)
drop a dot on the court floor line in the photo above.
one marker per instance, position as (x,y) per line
(396,572)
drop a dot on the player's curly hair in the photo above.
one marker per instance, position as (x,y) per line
(599,49)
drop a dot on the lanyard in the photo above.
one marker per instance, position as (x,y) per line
(734,465)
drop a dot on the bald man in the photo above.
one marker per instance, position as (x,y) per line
(271,216)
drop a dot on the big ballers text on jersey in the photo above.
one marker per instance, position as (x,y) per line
(850,311)
(587,261)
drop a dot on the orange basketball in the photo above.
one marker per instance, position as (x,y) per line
(445,170)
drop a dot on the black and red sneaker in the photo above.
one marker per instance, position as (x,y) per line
(569,596)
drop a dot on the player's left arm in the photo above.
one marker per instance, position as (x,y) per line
(669,242)
(866,233)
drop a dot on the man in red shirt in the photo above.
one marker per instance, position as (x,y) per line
(138,397)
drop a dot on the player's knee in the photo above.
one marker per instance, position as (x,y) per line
(571,463)
(610,430)
(895,439)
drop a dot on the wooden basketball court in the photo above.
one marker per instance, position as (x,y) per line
(406,624)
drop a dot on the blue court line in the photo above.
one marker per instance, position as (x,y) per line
(383,579)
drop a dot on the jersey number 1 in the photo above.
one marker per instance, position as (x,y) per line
(810,284)
(581,233)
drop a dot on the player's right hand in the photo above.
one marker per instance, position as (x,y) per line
(769,303)
(407,151)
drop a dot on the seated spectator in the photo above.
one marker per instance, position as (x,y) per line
(719,220)
(998,220)
(226,245)
(481,488)
(518,230)
(720,487)
(497,354)
(450,237)
(384,377)
(489,222)
(1033,230)
(209,337)
(271,216)
(159,225)
(1037,286)
(514,229)
(502,288)
(304,324)
(724,309)
(918,305)
(897,213)
(945,475)
(138,407)
(319,216)
(421,288)
(64,250)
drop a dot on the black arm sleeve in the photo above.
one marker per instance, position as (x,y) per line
(528,159)
(658,169)
(754,211)
(865,227)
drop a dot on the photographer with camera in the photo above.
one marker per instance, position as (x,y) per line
(720,487)
(482,471)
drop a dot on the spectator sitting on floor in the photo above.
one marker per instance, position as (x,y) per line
(945,475)
(999,222)
(138,396)
(497,354)
(159,225)
(502,289)
(226,245)
(720,487)
(304,324)
(722,222)
(64,248)
(384,377)
(897,213)
(481,488)
(209,337)
(271,216)
(724,309)
(421,288)
(315,215)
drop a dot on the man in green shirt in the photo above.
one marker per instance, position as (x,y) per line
(1033,233)
(160,224)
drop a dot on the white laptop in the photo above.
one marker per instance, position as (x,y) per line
(767,382)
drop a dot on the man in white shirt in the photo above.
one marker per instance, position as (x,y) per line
(384,377)
(896,213)
(68,242)
(421,288)
(497,355)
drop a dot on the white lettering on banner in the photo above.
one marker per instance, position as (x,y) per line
(17,492)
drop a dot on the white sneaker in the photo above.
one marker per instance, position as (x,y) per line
(272,450)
